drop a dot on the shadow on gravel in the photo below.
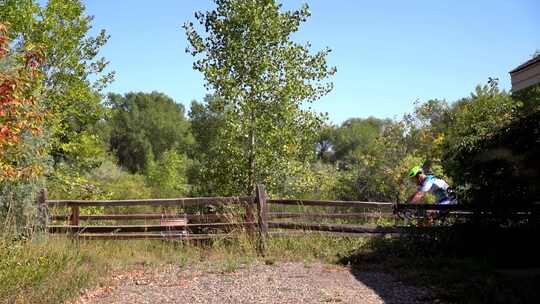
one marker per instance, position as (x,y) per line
(461,265)
(390,289)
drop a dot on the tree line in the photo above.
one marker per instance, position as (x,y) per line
(256,126)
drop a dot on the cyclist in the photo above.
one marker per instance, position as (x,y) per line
(430,183)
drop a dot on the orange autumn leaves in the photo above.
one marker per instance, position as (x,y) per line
(19,112)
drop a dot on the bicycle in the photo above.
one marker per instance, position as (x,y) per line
(421,217)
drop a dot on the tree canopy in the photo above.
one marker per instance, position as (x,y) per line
(73,72)
(144,126)
(262,78)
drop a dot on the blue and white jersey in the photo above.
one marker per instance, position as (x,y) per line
(437,187)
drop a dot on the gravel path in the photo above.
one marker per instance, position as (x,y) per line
(281,283)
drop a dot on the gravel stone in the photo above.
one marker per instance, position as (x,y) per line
(258,283)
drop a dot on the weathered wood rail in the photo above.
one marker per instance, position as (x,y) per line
(327,203)
(271,215)
(187,202)
(145,216)
(338,228)
(137,228)
(256,219)
(170,225)
(356,215)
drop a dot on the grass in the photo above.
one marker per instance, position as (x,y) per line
(45,272)
(311,248)
(55,269)
(52,270)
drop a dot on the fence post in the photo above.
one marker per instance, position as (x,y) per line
(42,209)
(75,215)
(250,218)
(262,216)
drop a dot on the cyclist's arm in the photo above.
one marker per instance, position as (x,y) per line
(416,197)
(421,191)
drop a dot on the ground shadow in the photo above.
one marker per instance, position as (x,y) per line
(390,289)
(464,264)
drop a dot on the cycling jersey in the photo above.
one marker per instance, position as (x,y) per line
(437,187)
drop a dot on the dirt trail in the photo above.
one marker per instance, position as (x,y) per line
(259,283)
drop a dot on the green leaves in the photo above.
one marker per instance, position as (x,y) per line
(73,73)
(21,113)
(168,176)
(489,147)
(144,126)
(475,119)
(262,78)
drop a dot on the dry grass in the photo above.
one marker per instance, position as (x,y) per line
(53,269)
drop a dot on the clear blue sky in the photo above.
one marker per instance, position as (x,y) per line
(388,53)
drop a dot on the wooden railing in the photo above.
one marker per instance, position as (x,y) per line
(257,220)
(306,221)
(166,228)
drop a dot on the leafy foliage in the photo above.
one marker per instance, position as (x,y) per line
(493,147)
(107,181)
(255,126)
(73,75)
(472,122)
(261,78)
(353,139)
(483,145)
(23,139)
(144,126)
(372,157)
(320,181)
(206,119)
(21,116)
(476,118)
(168,175)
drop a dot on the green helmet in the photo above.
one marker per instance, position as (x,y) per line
(415,171)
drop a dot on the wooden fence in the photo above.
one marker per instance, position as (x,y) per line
(252,215)
(170,226)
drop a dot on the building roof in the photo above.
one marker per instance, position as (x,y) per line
(526,64)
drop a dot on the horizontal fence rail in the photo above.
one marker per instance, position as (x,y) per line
(153,236)
(137,228)
(324,203)
(180,236)
(271,215)
(255,219)
(335,228)
(188,202)
(358,215)
(169,226)
(148,216)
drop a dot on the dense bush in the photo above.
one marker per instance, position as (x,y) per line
(503,169)
(108,181)
(23,133)
(168,176)
(493,145)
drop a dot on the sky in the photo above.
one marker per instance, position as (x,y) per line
(388,54)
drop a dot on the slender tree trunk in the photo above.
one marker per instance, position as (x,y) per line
(251,159)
